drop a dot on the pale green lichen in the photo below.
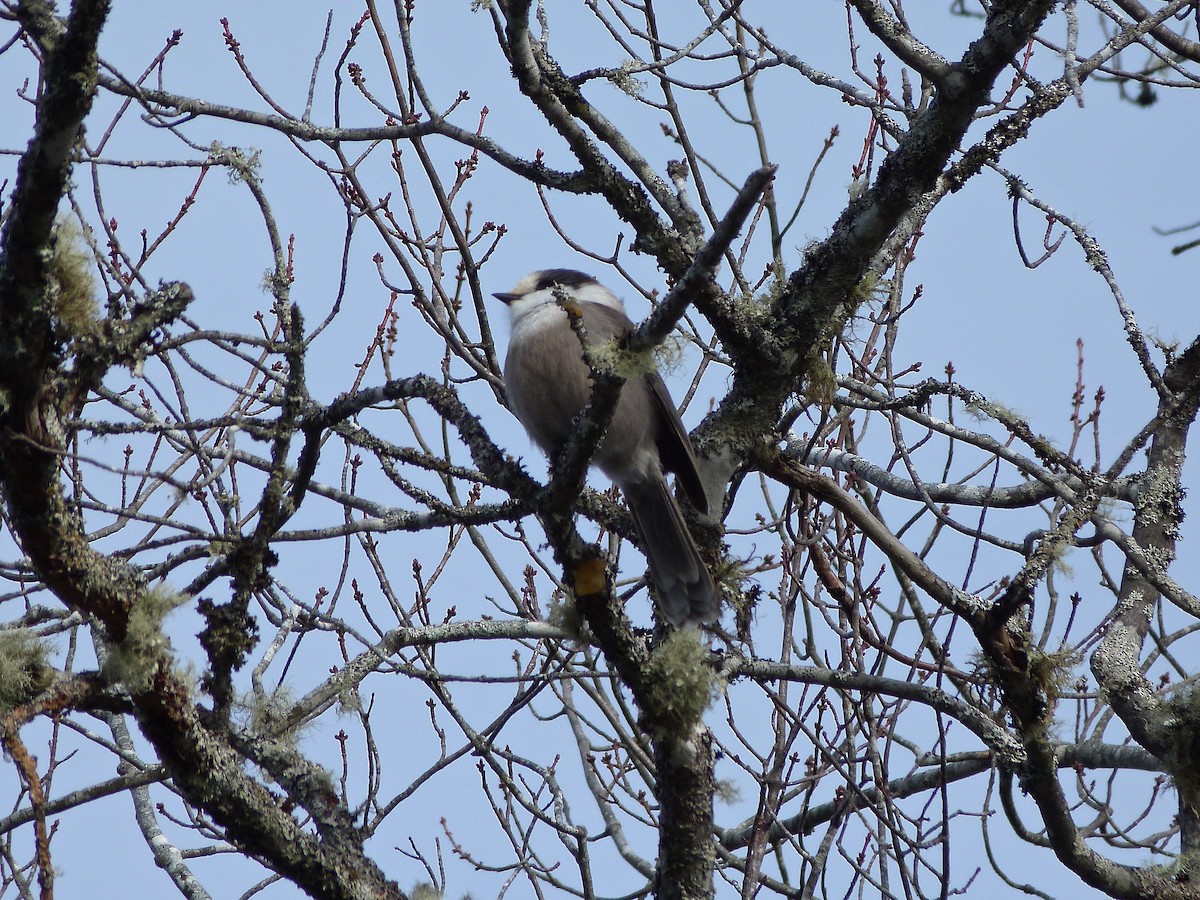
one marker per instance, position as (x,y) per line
(820,381)
(565,614)
(608,357)
(762,304)
(243,165)
(665,357)
(424,890)
(1054,672)
(626,80)
(727,791)
(1055,547)
(820,384)
(981,410)
(267,713)
(1159,499)
(134,661)
(681,684)
(23,668)
(1159,558)
(70,286)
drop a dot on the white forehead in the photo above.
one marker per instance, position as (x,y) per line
(526,284)
(589,292)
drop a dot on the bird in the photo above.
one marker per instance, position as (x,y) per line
(548,383)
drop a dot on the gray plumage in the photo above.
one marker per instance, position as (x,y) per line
(548,384)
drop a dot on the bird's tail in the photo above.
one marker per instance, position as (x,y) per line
(686,594)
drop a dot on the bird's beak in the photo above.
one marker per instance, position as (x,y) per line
(505,298)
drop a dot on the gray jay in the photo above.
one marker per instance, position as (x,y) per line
(548,384)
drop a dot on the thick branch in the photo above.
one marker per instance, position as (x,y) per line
(209,773)
(897,38)
(1158,513)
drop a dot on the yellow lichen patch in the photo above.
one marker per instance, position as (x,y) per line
(590,576)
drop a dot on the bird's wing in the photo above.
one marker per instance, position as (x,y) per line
(674,446)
